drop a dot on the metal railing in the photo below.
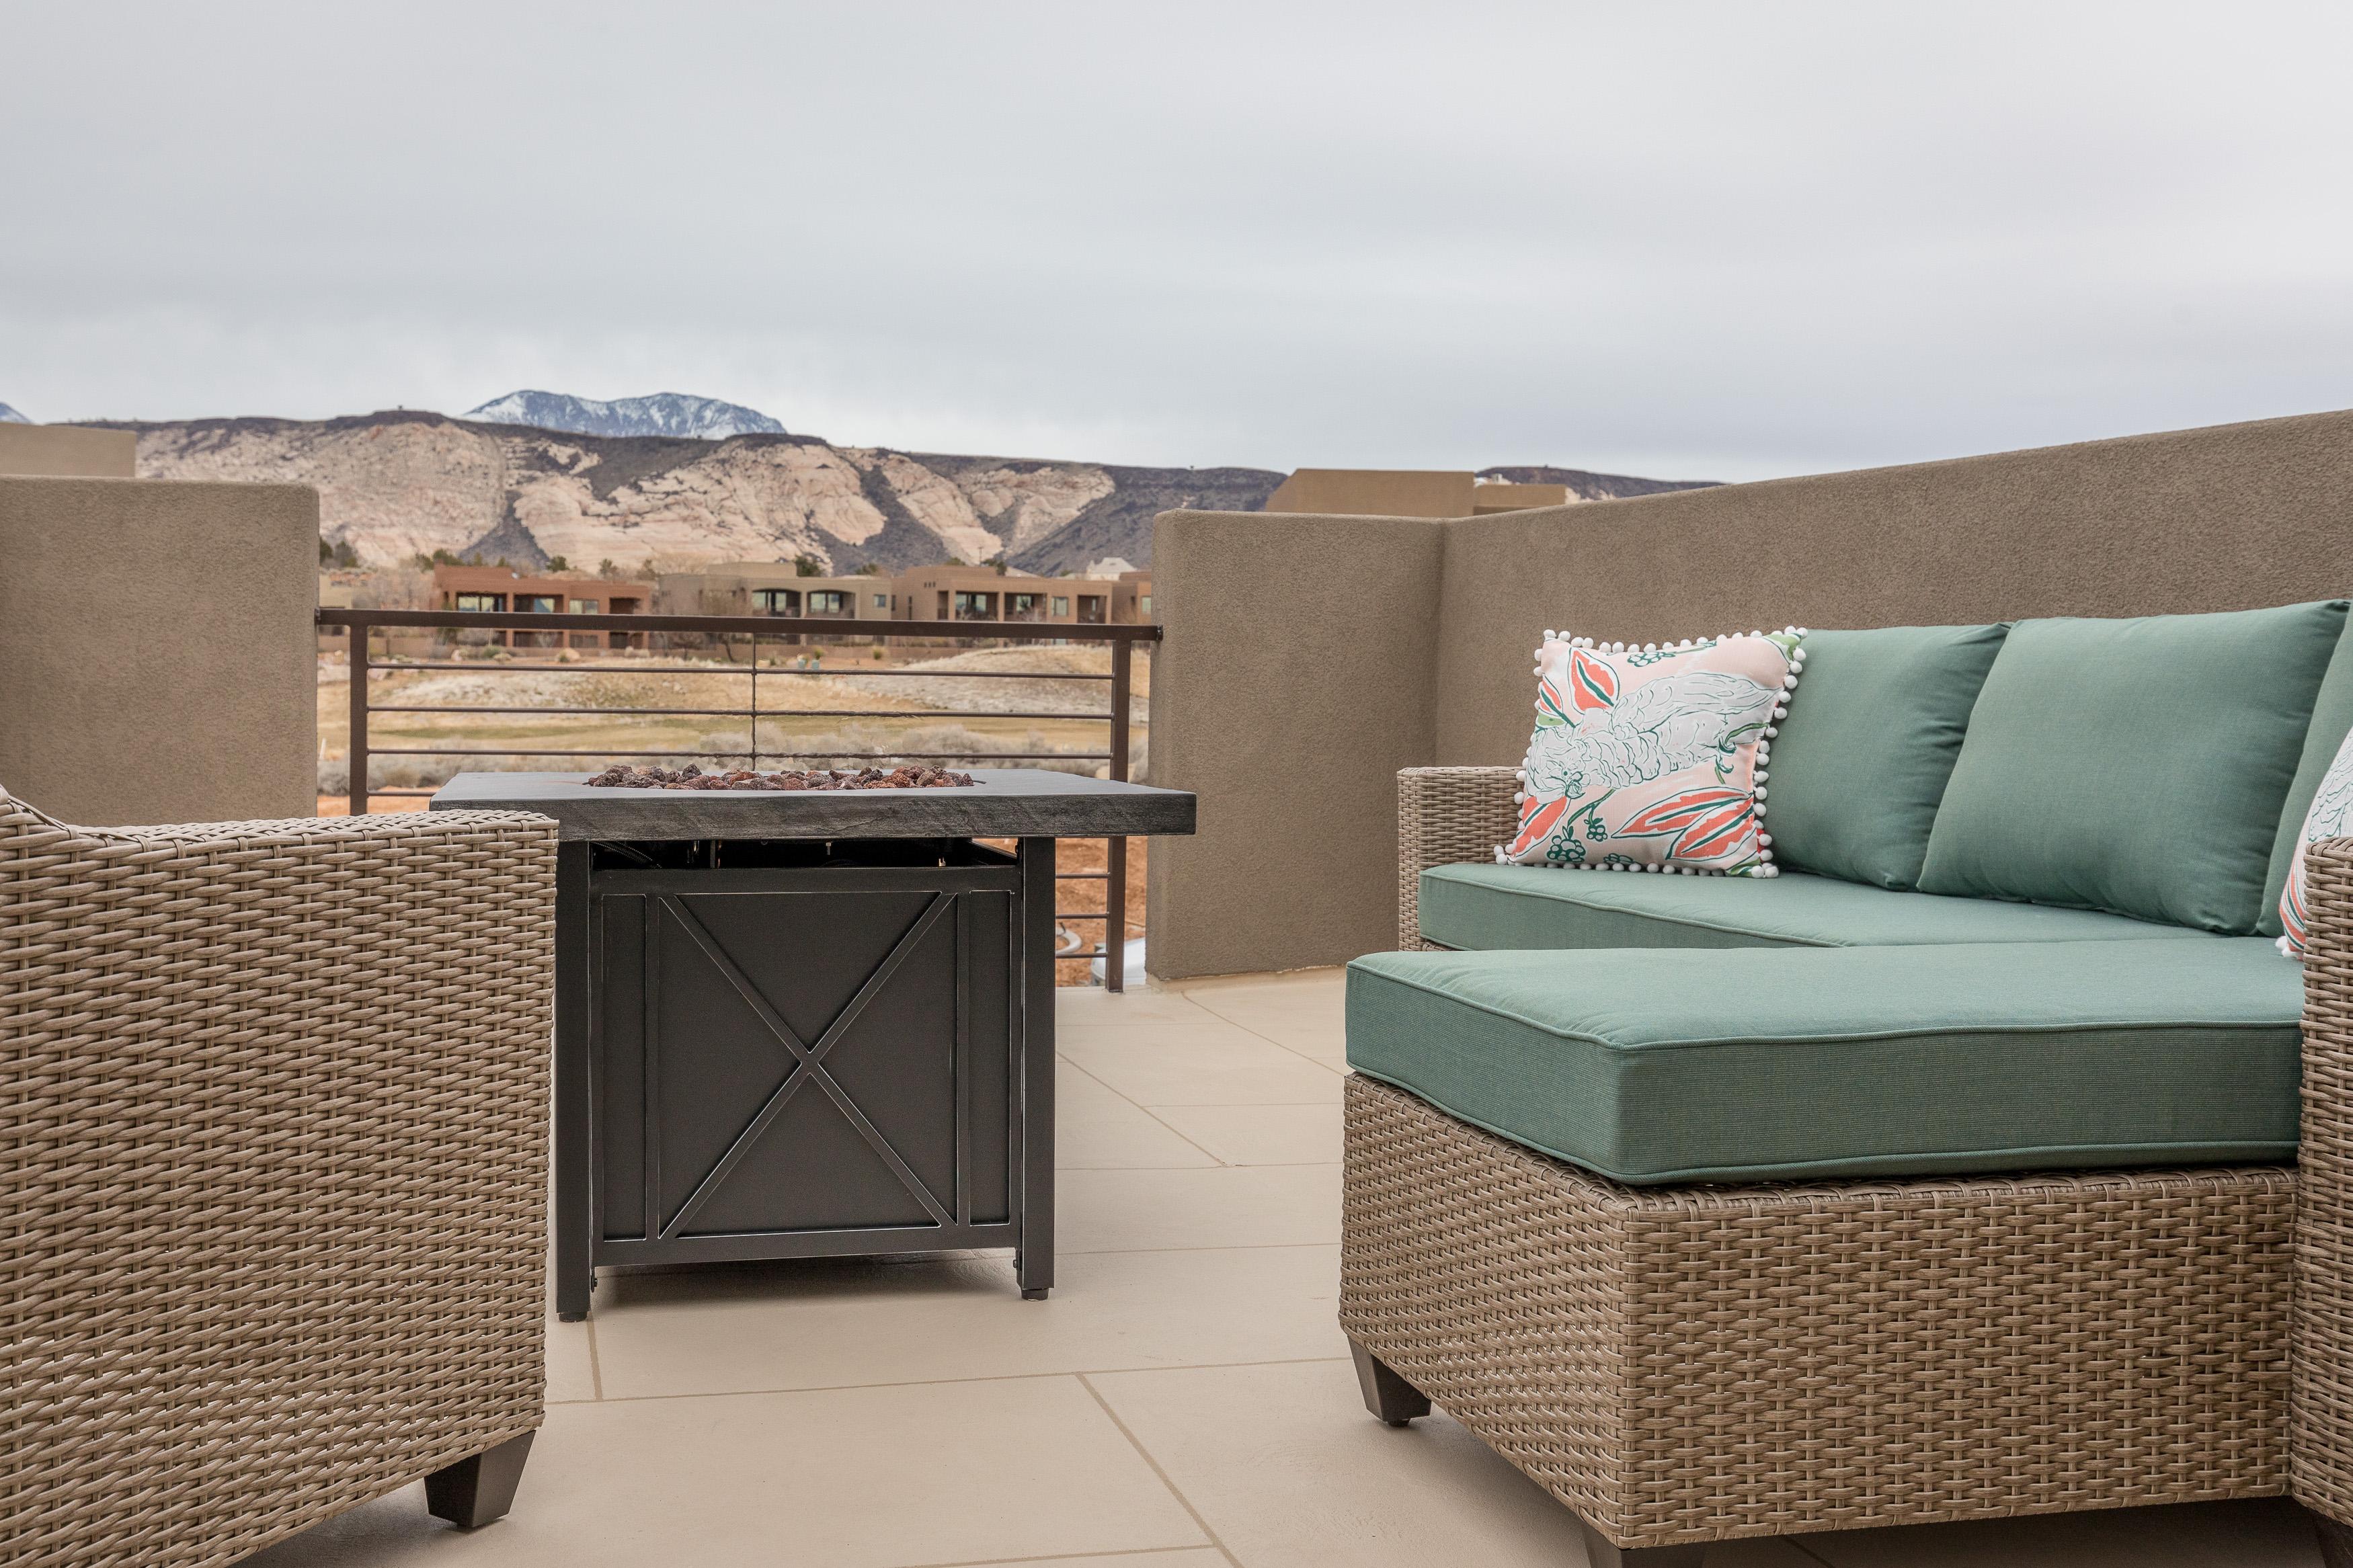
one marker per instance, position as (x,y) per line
(730,630)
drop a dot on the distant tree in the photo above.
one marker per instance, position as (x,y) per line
(807,566)
(557,563)
(871,569)
(337,554)
(997,562)
(607,568)
(326,551)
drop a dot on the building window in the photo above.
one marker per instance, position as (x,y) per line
(777,601)
(1090,609)
(1024,606)
(943,604)
(584,607)
(827,602)
(975,607)
(482,601)
(1061,605)
(1146,603)
(881,601)
(537,603)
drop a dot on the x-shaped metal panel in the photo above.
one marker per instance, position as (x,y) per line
(809,1060)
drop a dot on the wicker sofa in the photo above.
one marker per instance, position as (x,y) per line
(1770,1346)
(273,1113)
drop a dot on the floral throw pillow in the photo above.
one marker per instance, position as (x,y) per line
(1653,758)
(2331,816)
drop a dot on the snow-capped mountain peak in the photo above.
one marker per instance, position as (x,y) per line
(663,413)
(10,416)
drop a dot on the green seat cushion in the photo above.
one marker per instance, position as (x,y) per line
(1494,908)
(2137,766)
(1647,1065)
(1861,761)
(2332,717)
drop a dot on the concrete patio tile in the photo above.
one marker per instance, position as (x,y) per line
(1282,982)
(2265,1532)
(1250,1205)
(1091,1006)
(1097,1128)
(1304,1015)
(837,1322)
(1261,1134)
(570,1365)
(1186,1557)
(867,1478)
(1156,1065)
(1285,1468)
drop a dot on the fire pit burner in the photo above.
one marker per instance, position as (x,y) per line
(693,777)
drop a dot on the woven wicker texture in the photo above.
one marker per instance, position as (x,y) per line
(2322,1425)
(1447,816)
(273,1114)
(1701,1362)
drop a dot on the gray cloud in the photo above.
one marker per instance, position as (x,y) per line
(1686,240)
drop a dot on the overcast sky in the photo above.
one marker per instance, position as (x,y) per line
(1679,240)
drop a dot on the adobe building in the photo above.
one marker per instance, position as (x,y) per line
(68,451)
(924,594)
(1407,492)
(772,588)
(501,589)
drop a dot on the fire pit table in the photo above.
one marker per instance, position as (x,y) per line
(808,1023)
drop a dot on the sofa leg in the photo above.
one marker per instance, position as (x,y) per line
(1387,1394)
(1600,1552)
(2335,1541)
(474,1491)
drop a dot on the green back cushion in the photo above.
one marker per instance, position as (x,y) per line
(1861,761)
(2332,717)
(2137,766)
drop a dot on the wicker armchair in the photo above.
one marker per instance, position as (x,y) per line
(1687,1363)
(273,1118)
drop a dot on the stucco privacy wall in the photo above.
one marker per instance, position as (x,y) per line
(2226,517)
(157,659)
(68,450)
(1296,678)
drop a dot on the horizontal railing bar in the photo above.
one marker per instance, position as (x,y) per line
(748,713)
(723,751)
(748,626)
(1081,915)
(499,667)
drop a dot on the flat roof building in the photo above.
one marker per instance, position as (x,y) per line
(1406,492)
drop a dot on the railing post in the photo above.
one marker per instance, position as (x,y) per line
(1123,652)
(357,748)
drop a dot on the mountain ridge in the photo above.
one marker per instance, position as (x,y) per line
(406,483)
(656,414)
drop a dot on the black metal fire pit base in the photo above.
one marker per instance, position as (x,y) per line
(786,1047)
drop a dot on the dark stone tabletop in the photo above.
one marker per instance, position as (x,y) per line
(1006,802)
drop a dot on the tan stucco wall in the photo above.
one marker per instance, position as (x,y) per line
(68,451)
(1374,492)
(1295,678)
(157,661)
(1290,720)
(2220,518)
